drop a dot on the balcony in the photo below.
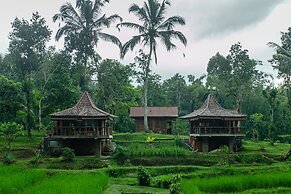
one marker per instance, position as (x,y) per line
(97,132)
(216,131)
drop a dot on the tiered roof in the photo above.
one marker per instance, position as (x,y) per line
(169,111)
(84,108)
(211,108)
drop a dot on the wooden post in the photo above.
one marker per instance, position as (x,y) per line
(231,144)
(86,129)
(102,127)
(205,144)
(61,127)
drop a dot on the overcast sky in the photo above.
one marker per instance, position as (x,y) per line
(211,26)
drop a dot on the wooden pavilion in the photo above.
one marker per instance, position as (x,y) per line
(212,126)
(160,119)
(84,128)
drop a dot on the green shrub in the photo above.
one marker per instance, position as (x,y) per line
(87,163)
(120,172)
(8,159)
(68,154)
(36,159)
(120,155)
(166,182)
(175,188)
(10,130)
(143,176)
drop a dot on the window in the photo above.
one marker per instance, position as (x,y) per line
(54,144)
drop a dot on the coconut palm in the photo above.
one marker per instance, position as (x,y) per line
(82,28)
(154,27)
(282,62)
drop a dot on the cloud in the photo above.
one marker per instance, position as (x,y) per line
(211,18)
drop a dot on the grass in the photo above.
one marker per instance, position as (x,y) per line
(237,183)
(265,147)
(156,150)
(36,181)
(70,184)
(141,137)
(119,189)
(15,180)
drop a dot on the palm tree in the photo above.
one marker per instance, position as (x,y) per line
(82,29)
(154,27)
(282,62)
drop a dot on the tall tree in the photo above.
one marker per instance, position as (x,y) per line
(115,93)
(154,27)
(243,71)
(234,75)
(82,28)
(270,93)
(27,45)
(282,62)
(60,90)
(11,99)
(175,87)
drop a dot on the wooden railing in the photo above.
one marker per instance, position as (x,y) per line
(216,130)
(82,131)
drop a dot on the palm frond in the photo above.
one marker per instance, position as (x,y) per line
(130,45)
(109,38)
(57,16)
(96,10)
(139,12)
(166,40)
(114,18)
(79,3)
(68,13)
(104,21)
(131,25)
(152,8)
(171,22)
(100,22)
(61,31)
(279,48)
(284,57)
(178,35)
(160,16)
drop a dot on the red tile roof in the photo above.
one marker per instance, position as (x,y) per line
(169,111)
(211,108)
(84,108)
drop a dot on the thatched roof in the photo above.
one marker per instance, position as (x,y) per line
(169,111)
(84,108)
(211,108)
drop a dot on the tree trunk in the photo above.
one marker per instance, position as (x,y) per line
(28,105)
(39,114)
(272,125)
(238,104)
(288,96)
(146,81)
(146,126)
